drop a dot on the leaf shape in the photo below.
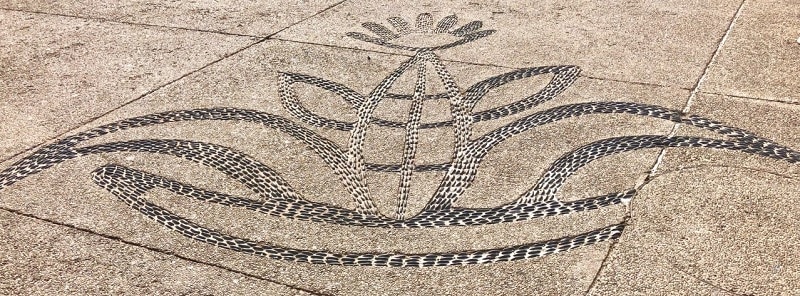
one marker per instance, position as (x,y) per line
(563,77)
(380,30)
(468,28)
(402,27)
(293,105)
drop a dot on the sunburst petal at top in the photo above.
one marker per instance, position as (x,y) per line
(423,24)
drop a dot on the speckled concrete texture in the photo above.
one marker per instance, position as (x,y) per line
(734,237)
(57,73)
(43,258)
(660,42)
(252,18)
(249,80)
(714,221)
(703,221)
(760,58)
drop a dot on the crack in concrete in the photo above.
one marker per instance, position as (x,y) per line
(754,98)
(674,267)
(664,258)
(675,127)
(699,83)
(611,247)
(648,84)
(695,167)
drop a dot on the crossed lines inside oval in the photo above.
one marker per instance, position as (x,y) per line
(279,199)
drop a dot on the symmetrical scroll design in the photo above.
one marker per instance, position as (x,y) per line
(279,199)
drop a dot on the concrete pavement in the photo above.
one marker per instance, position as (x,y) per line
(701,220)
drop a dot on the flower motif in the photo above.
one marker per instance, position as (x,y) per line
(424,25)
(278,198)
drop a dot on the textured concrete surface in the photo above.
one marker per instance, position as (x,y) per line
(684,240)
(760,59)
(61,72)
(704,222)
(43,258)
(253,18)
(246,79)
(659,42)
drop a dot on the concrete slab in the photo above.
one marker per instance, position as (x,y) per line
(712,220)
(58,73)
(735,235)
(632,269)
(289,172)
(254,18)
(759,59)
(659,42)
(249,80)
(41,258)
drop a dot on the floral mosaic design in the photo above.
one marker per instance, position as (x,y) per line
(278,198)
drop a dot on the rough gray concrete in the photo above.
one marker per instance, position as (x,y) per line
(704,221)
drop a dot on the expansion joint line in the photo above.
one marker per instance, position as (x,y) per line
(698,85)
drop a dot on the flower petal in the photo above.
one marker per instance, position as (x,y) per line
(424,22)
(446,23)
(380,30)
(468,28)
(402,27)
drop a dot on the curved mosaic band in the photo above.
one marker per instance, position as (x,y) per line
(278,198)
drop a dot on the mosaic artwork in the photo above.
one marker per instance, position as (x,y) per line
(278,198)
